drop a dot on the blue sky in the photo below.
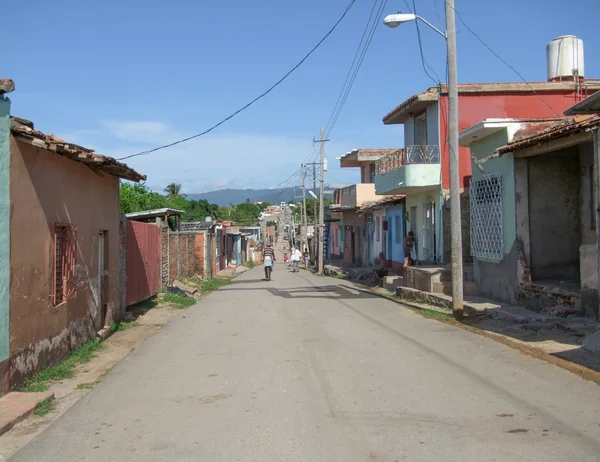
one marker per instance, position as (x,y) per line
(122,77)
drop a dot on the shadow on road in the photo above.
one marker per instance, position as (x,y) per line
(336,292)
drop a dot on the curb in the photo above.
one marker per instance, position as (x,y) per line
(10,415)
(577,369)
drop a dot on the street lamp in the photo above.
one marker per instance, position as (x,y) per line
(394,20)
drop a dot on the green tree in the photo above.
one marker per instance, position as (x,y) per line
(173,191)
(223,213)
(136,197)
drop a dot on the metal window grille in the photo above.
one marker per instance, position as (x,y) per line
(485,196)
(65,251)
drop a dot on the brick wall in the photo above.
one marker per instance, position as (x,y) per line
(164,255)
(465,218)
(186,254)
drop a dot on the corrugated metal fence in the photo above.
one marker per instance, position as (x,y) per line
(143,261)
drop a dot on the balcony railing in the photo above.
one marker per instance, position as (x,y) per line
(420,154)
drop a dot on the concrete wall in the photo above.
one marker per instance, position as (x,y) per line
(417,200)
(465,221)
(554,221)
(357,194)
(588,261)
(46,189)
(475,106)
(4,243)
(587,195)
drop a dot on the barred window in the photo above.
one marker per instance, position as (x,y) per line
(485,196)
(65,249)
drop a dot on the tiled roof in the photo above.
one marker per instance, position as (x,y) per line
(534,133)
(381,203)
(24,130)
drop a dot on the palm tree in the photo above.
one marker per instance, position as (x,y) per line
(173,191)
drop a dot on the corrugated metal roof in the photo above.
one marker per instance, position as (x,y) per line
(24,130)
(153,213)
(590,105)
(534,133)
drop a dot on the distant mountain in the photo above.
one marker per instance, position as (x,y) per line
(237,196)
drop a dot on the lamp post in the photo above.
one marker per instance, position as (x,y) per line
(394,20)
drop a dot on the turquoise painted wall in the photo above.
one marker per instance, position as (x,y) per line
(505,166)
(4,226)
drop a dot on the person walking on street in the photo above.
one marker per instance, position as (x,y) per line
(296,257)
(306,258)
(268,259)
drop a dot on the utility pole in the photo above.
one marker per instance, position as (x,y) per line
(305,242)
(315,222)
(322,140)
(455,215)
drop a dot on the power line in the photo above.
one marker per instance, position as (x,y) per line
(262,95)
(358,66)
(503,61)
(358,49)
(423,60)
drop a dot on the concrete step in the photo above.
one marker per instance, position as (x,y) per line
(469,288)
(446,276)
(392,282)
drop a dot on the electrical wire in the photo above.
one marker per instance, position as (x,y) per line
(358,66)
(423,60)
(262,95)
(358,49)
(502,60)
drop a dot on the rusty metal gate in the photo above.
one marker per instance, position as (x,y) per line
(143,261)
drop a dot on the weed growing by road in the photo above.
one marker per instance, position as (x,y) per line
(250,264)
(119,326)
(435,314)
(63,370)
(87,385)
(340,276)
(214,284)
(44,407)
(179,300)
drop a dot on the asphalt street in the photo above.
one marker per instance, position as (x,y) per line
(308,368)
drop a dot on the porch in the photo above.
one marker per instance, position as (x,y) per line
(437,279)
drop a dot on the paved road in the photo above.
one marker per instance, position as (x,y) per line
(304,368)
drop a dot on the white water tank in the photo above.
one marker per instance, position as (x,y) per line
(565,58)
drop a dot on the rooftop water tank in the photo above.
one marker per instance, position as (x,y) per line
(565,58)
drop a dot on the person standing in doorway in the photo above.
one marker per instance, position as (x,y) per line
(410,249)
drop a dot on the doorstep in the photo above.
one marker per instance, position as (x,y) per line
(16,406)
(473,306)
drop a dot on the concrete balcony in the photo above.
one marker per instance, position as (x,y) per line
(408,170)
(356,195)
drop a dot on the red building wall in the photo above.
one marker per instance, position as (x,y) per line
(476,106)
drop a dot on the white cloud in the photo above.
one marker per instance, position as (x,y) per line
(216,161)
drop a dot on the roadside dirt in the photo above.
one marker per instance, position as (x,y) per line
(69,391)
